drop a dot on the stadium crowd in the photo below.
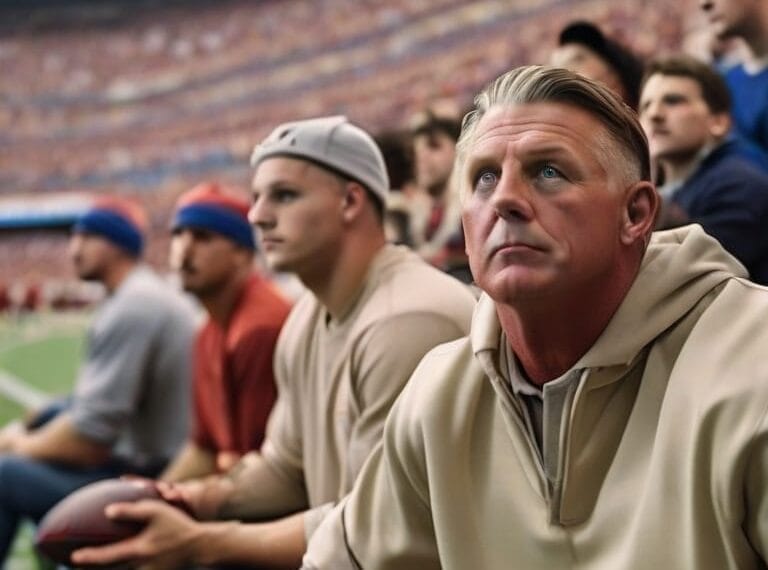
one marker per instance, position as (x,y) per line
(603,181)
(122,106)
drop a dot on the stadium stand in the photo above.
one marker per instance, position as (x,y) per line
(145,98)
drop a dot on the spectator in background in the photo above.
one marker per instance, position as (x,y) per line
(437,227)
(725,52)
(748,81)
(607,410)
(349,346)
(685,112)
(130,409)
(234,387)
(397,151)
(583,48)
(397,220)
(5,298)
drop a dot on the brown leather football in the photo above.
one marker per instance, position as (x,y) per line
(79,520)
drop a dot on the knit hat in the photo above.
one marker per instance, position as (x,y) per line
(217,208)
(121,221)
(627,65)
(331,142)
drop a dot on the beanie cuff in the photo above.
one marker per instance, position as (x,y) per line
(216,219)
(114,227)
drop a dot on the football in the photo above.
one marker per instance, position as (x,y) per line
(79,520)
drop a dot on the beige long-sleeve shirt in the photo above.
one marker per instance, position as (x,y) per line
(337,380)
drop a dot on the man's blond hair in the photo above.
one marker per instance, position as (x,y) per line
(623,146)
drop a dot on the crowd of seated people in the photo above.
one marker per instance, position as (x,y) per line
(194,100)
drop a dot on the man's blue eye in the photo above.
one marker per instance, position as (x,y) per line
(549,172)
(487,179)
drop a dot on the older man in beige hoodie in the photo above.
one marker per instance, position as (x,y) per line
(609,408)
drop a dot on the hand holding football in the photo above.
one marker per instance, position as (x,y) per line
(79,519)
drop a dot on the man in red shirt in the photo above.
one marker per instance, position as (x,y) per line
(234,389)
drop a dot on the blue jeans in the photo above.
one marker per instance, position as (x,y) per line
(29,488)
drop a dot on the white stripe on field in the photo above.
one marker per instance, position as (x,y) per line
(17,390)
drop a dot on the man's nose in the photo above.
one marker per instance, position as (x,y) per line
(74,245)
(512,197)
(260,215)
(183,241)
(653,111)
(179,250)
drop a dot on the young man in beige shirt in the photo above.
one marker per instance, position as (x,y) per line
(371,313)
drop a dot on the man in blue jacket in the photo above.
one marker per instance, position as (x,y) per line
(685,111)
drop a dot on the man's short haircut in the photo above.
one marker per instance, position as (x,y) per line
(626,65)
(714,90)
(625,144)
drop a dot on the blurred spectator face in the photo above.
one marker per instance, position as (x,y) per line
(91,255)
(582,60)
(298,213)
(543,208)
(434,154)
(729,17)
(205,261)
(676,118)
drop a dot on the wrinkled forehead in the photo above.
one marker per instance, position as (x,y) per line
(536,124)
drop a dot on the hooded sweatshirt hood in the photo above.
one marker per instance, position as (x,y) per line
(680,267)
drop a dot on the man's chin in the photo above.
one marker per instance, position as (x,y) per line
(278,264)
(518,289)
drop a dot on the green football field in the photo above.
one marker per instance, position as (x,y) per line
(39,356)
(42,351)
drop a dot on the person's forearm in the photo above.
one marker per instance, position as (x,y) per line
(260,492)
(59,441)
(277,544)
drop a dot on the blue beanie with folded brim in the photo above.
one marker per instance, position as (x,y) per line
(111,225)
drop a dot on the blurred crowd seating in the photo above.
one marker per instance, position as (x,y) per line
(153,100)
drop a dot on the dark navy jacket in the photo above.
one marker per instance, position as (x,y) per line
(728,196)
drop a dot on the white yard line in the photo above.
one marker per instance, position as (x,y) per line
(18,391)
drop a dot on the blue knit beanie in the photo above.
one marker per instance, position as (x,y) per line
(120,221)
(209,206)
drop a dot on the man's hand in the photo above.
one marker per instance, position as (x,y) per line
(168,540)
(10,435)
(203,497)
(226,460)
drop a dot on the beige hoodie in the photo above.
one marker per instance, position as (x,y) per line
(663,456)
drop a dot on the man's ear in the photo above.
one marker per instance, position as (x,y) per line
(640,211)
(719,125)
(353,201)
